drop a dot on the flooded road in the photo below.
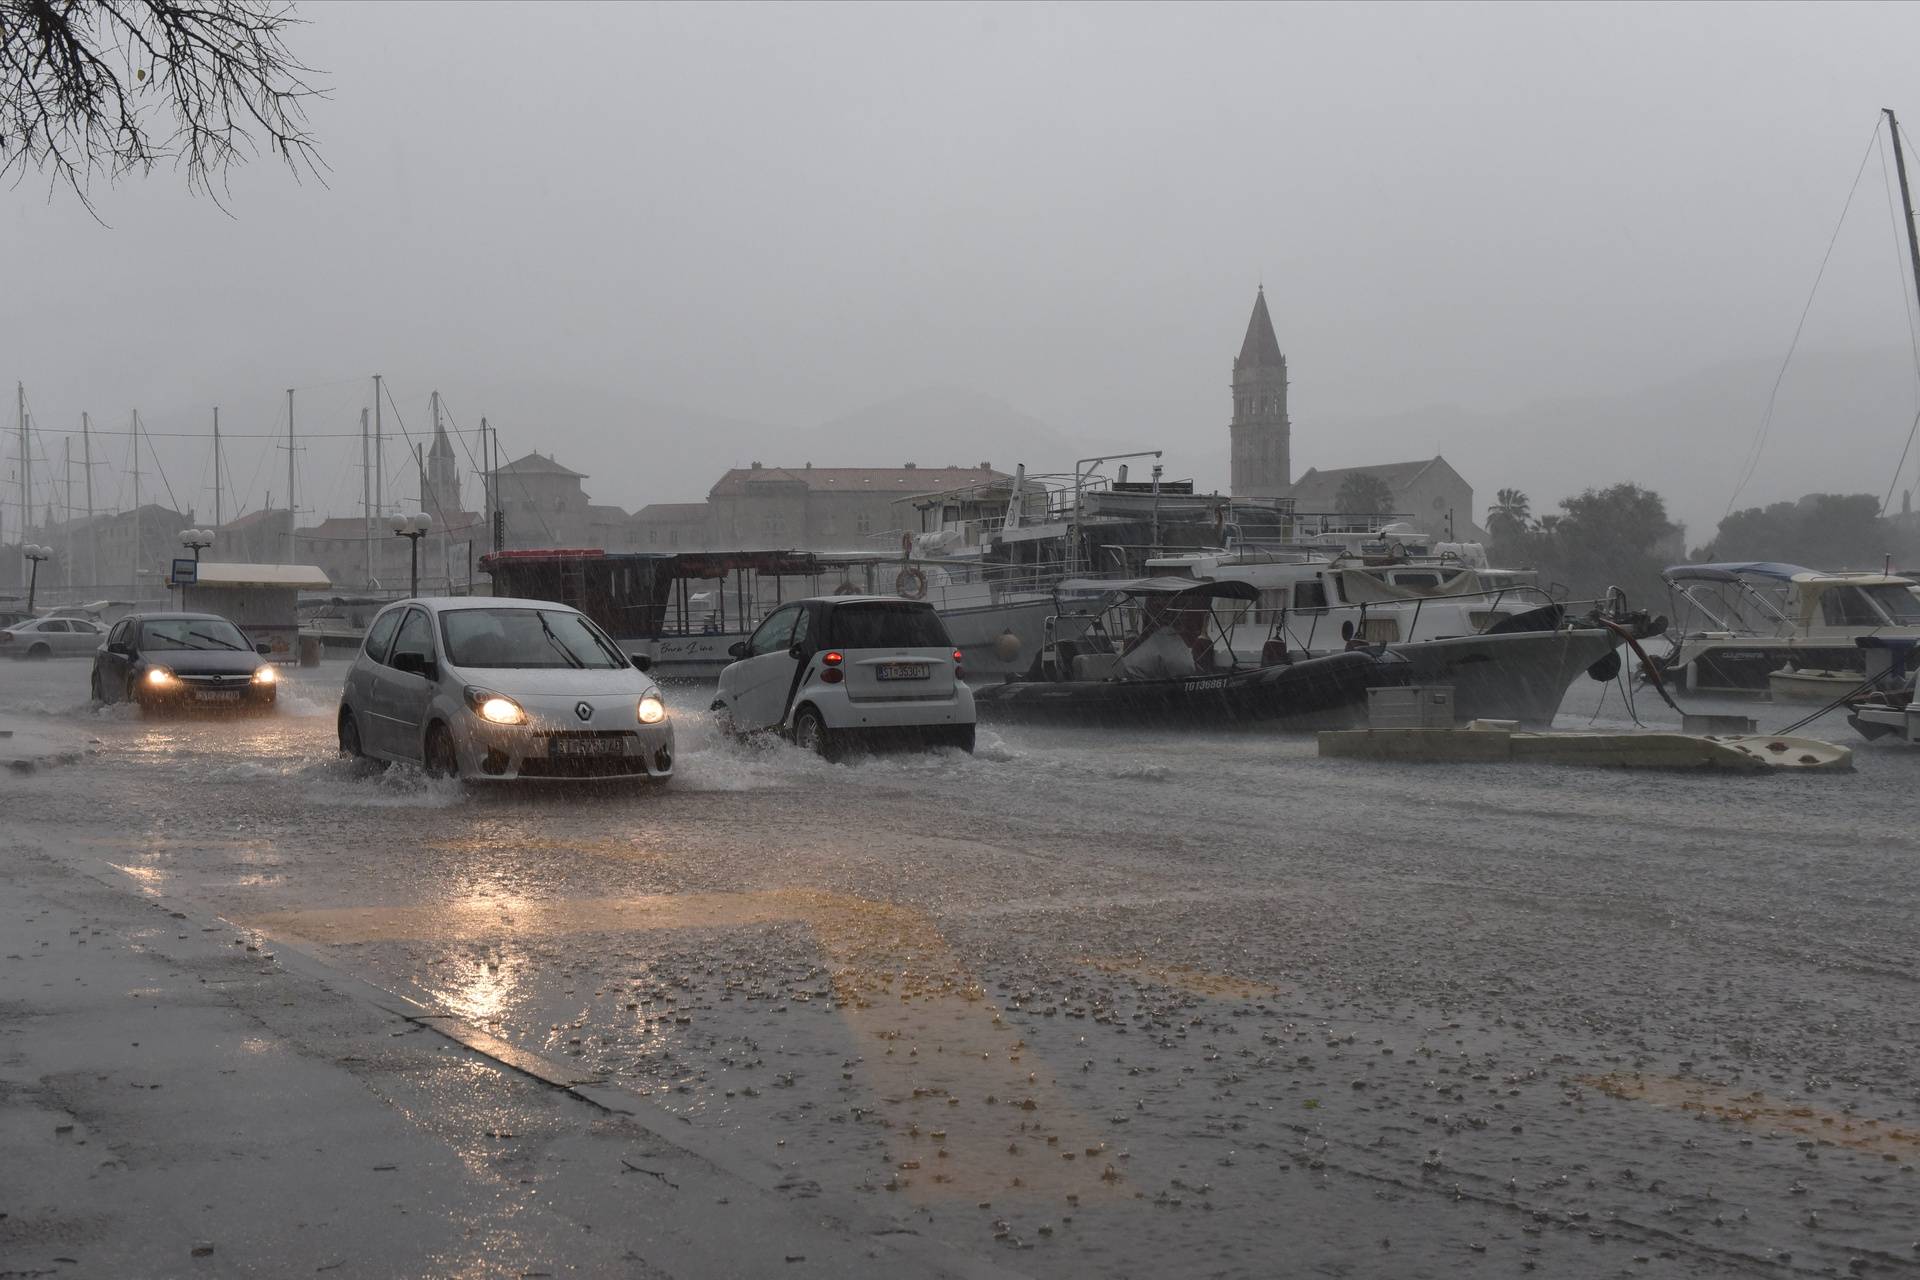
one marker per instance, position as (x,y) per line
(1093,1003)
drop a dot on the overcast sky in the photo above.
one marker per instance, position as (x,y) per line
(781,214)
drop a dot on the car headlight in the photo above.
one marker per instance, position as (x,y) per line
(494,708)
(265,675)
(652,710)
(159,677)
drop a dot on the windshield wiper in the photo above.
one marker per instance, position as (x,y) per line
(201,635)
(556,642)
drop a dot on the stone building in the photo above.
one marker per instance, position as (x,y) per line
(824,508)
(671,527)
(340,546)
(544,504)
(1262,434)
(126,555)
(1429,493)
(440,486)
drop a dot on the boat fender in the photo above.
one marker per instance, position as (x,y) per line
(910,583)
(1605,669)
(1397,550)
(1006,646)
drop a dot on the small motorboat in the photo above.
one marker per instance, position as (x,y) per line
(1807,684)
(1158,652)
(1888,710)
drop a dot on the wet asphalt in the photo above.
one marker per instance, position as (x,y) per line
(1093,1002)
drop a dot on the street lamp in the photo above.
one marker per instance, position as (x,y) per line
(197,539)
(412,528)
(35,553)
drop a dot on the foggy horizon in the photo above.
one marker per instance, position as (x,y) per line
(668,220)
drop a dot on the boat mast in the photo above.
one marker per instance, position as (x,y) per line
(366,496)
(93,534)
(217,522)
(26,464)
(379,481)
(1906,199)
(290,507)
(135,574)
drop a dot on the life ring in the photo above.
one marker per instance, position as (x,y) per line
(846,589)
(910,583)
(1398,550)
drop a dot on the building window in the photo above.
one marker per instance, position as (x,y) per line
(863,524)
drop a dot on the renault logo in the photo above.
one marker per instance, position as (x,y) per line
(584,710)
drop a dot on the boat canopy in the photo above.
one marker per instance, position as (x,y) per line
(1733,571)
(1168,585)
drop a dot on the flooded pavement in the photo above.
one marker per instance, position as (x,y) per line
(1093,1003)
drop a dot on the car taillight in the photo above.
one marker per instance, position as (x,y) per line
(833,658)
(830,672)
(959,672)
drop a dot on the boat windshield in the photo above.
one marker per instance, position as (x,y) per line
(1885,604)
(191,633)
(526,638)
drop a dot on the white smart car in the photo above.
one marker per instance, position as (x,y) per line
(496,689)
(839,670)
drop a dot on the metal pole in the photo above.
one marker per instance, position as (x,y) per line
(135,574)
(26,463)
(218,520)
(33,582)
(413,545)
(291,508)
(379,461)
(93,534)
(420,474)
(1906,199)
(66,447)
(366,495)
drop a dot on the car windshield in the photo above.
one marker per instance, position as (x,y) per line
(191,633)
(526,638)
(887,625)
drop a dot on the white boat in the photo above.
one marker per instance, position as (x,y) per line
(1889,710)
(1737,624)
(1806,684)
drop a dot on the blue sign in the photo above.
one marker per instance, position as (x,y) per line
(186,573)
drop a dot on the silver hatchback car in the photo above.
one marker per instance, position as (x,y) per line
(493,689)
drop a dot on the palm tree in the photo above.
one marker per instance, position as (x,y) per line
(1510,507)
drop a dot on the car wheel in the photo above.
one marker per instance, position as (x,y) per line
(810,733)
(40,651)
(962,737)
(442,761)
(723,719)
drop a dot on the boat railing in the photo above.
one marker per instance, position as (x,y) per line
(1352,617)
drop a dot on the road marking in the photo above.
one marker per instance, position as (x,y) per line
(1752,1107)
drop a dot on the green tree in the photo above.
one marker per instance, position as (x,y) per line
(1821,530)
(1612,537)
(110,87)
(1509,513)
(1363,493)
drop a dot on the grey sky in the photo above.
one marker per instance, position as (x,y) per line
(781,214)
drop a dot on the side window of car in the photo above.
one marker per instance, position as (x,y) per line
(802,618)
(774,634)
(380,634)
(416,636)
(119,633)
(54,626)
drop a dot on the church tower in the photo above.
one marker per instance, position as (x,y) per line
(1262,436)
(443,480)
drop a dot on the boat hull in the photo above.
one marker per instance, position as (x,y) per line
(1518,675)
(1318,693)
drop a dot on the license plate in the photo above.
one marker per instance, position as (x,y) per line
(902,671)
(218,695)
(584,747)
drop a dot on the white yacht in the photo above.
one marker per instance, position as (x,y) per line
(1738,626)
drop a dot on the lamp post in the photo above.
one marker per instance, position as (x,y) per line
(34,554)
(196,539)
(412,528)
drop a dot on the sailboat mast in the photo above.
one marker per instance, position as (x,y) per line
(366,496)
(93,534)
(135,573)
(1906,199)
(217,521)
(290,507)
(379,455)
(26,464)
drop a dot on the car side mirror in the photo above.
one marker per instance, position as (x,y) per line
(738,648)
(797,653)
(417,664)
(263,648)
(641,662)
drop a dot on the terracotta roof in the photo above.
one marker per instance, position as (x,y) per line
(1259,347)
(539,464)
(672,511)
(252,518)
(895,480)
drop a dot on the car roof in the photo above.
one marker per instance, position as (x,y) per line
(875,599)
(446,604)
(175,616)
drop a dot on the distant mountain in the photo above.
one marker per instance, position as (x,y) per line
(1838,426)
(935,426)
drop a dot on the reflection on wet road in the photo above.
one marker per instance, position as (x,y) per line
(1131,1004)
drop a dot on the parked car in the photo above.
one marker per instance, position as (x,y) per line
(835,671)
(12,617)
(51,638)
(176,661)
(490,690)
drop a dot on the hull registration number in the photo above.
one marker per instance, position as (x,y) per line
(902,671)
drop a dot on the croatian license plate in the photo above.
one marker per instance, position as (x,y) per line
(902,671)
(583,747)
(218,695)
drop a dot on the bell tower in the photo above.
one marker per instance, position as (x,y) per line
(1262,436)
